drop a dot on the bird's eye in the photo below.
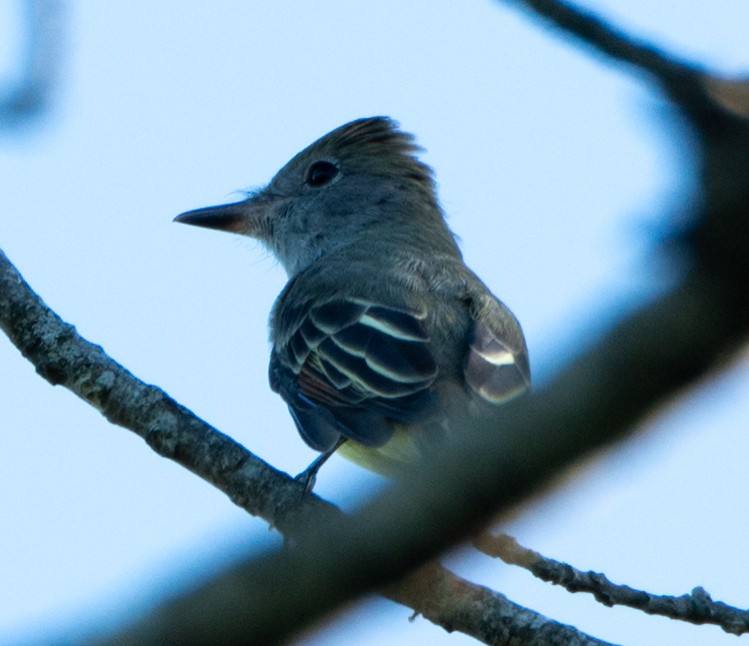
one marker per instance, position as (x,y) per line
(320,173)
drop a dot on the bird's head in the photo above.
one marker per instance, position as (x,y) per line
(348,187)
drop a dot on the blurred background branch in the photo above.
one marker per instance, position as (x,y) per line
(638,365)
(26,94)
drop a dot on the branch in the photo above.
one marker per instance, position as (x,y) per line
(63,357)
(696,608)
(465,606)
(638,365)
(546,429)
(594,31)
(683,81)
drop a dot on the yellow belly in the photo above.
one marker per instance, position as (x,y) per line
(387,460)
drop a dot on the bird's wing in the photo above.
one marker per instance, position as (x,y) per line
(496,365)
(349,366)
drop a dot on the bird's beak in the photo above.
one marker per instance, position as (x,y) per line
(246,217)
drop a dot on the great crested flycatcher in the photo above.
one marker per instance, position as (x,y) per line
(382,338)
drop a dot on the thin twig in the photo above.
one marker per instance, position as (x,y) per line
(696,608)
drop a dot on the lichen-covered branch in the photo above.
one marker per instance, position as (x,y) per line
(640,363)
(64,358)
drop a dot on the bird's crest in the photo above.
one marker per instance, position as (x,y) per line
(375,144)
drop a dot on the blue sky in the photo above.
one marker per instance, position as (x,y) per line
(555,168)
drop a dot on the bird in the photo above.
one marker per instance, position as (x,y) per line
(383,340)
